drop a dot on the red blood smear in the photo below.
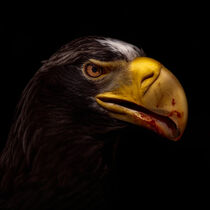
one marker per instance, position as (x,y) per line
(173,102)
(178,114)
(151,122)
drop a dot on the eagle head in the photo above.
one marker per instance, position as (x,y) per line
(111,82)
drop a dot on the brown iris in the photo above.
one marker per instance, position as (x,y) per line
(93,70)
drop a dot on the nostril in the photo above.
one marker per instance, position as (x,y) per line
(147,77)
(147,81)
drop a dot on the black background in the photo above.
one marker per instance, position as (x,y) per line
(151,169)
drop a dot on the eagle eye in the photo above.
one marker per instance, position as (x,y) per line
(93,70)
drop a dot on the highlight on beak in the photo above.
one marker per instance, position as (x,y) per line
(148,96)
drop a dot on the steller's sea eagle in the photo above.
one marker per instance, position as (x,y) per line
(54,157)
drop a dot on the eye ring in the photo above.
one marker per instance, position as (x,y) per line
(93,70)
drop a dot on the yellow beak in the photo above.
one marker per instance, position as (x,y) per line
(150,96)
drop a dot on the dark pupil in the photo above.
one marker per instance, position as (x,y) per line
(94,69)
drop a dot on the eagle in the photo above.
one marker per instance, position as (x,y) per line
(75,105)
